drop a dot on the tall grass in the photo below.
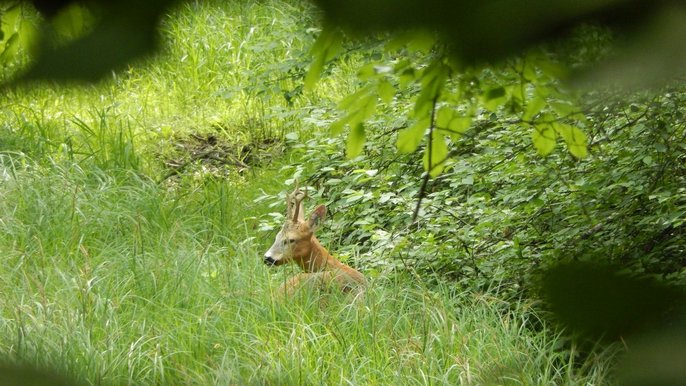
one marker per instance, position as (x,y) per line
(115,280)
(229,68)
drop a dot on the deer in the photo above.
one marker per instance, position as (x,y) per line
(297,243)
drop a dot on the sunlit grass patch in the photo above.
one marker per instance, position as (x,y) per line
(226,69)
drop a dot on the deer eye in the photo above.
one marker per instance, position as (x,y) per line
(289,241)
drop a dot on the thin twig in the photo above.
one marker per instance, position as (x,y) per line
(426,175)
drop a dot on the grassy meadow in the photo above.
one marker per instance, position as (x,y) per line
(115,275)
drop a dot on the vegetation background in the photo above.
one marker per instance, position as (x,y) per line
(479,199)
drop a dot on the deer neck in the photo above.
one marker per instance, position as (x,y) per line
(319,259)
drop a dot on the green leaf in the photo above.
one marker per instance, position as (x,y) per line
(529,71)
(11,18)
(406,77)
(119,37)
(494,98)
(339,125)
(601,302)
(358,106)
(325,48)
(29,36)
(351,119)
(410,138)
(368,107)
(494,93)
(398,41)
(414,41)
(367,71)
(516,92)
(458,126)
(73,21)
(421,42)
(353,101)
(423,106)
(15,374)
(444,116)
(534,107)
(314,73)
(433,78)
(655,359)
(564,109)
(551,69)
(544,138)
(574,137)
(356,140)
(10,49)
(386,91)
(434,161)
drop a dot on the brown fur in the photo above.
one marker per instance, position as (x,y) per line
(321,269)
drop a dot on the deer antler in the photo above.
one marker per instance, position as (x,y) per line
(290,197)
(293,198)
(290,200)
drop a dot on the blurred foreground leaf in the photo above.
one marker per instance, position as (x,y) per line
(124,31)
(490,30)
(597,302)
(24,375)
(655,359)
(475,32)
(656,54)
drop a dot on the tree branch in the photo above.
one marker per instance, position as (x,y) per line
(426,175)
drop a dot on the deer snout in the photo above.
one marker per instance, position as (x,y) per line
(269,260)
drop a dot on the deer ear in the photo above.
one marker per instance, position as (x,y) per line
(317,217)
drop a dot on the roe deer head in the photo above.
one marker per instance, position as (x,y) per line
(296,243)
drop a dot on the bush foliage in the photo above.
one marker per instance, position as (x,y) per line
(499,210)
(490,209)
